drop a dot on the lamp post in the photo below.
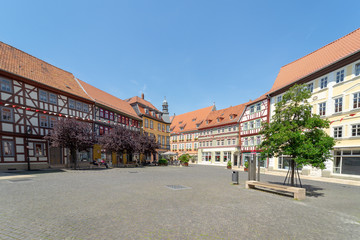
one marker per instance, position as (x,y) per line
(28,132)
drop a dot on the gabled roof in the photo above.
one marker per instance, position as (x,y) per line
(317,60)
(17,62)
(108,100)
(137,99)
(224,116)
(262,97)
(190,120)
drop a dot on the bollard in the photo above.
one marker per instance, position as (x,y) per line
(235,177)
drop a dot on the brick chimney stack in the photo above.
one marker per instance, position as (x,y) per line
(142,96)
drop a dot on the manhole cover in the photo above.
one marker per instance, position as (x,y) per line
(177,187)
(20,180)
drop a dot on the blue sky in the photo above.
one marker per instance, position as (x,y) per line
(194,52)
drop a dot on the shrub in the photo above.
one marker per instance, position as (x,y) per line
(163,162)
(229,163)
(246,164)
(184,158)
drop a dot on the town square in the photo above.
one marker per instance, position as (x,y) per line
(179,120)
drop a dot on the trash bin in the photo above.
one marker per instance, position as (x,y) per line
(235,177)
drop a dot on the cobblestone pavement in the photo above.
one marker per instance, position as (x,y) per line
(135,203)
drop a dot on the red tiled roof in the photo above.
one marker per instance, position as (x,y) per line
(257,99)
(108,100)
(187,119)
(17,62)
(224,116)
(313,62)
(137,99)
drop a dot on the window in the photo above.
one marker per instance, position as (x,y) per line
(53,98)
(218,142)
(85,107)
(278,99)
(323,82)
(39,149)
(231,116)
(357,69)
(159,127)
(338,105)
(222,142)
(246,126)
(356,100)
(79,106)
(234,128)
(252,141)
(337,132)
(246,141)
(52,121)
(195,146)
(311,87)
(168,128)
(217,156)
(257,123)
(228,142)
(146,111)
(71,103)
(355,130)
(106,114)
(146,123)
(111,115)
(210,143)
(8,148)
(218,130)
(101,130)
(258,140)
(43,96)
(340,76)
(229,129)
(233,141)
(151,124)
(322,109)
(44,121)
(163,140)
(223,130)
(6,85)
(251,124)
(258,107)
(163,128)
(101,112)
(6,114)
(252,109)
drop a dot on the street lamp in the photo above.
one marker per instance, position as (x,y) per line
(28,132)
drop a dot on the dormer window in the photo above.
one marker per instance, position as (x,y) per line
(194,119)
(146,111)
(207,121)
(231,117)
(180,122)
(181,128)
(218,119)
(197,125)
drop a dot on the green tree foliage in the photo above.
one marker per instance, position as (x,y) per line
(296,132)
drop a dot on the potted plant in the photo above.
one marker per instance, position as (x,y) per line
(184,159)
(229,165)
(246,166)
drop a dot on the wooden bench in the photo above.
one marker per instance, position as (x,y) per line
(299,193)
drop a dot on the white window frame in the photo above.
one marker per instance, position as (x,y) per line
(11,119)
(323,82)
(6,85)
(342,74)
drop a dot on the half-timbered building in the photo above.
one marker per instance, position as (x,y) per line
(256,112)
(109,111)
(34,95)
(219,137)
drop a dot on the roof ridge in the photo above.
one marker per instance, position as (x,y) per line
(195,111)
(322,47)
(35,57)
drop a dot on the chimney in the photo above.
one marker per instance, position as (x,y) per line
(142,96)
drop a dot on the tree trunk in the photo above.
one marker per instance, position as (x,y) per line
(292,162)
(73,157)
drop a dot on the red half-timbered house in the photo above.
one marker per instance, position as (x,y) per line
(109,111)
(255,113)
(34,95)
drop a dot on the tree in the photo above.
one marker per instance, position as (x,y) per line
(72,134)
(296,132)
(146,144)
(119,140)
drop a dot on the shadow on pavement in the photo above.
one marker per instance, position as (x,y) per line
(311,191)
